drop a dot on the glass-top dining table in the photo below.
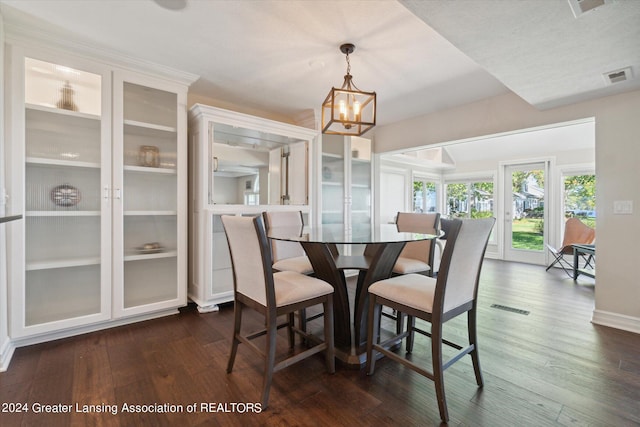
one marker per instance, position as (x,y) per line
(382,246)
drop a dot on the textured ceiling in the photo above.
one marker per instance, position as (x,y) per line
(538,48)
(282,57)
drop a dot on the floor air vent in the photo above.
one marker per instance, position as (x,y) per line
(511,309)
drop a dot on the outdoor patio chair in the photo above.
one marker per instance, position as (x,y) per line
(575,232)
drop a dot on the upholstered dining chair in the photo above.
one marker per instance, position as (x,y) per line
(435,300)
(287,256)
(417,257)
(575,232)
(257,287)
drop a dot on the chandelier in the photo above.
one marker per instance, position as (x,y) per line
(348,110)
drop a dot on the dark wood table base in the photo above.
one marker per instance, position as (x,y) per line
(375,264)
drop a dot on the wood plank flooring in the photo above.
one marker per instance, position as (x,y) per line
(550,367)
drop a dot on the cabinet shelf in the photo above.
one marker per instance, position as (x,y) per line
(146,169)
(150,213)
(61,213)
(332,157)
(361,162)
(64,163)
(143,257)
(332,184)
(62,263)
(61,112)
(144,128)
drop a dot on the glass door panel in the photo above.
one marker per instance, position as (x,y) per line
(149,195)
(64,182)
(360,181)
(525,212)
(333,184)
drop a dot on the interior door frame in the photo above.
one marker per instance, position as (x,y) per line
(506,205)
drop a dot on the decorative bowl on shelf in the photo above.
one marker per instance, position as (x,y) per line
(65,195)
(150,248)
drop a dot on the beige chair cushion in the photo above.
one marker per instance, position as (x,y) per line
(291,287)
(412,290)
(409,265)
(299,264)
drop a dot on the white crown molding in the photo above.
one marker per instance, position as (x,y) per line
(23,32)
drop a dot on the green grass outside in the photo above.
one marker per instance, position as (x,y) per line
(525,234)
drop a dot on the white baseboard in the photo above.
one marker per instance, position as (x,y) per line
(615,320)
(5,355)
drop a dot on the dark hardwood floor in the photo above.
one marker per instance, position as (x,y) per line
(547,367)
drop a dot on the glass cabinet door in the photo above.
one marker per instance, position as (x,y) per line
(333,179)
(66,209)
(360,180)
(146,193)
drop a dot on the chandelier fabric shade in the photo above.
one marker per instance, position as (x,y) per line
(348,110)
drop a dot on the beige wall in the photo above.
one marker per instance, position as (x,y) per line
(617,121)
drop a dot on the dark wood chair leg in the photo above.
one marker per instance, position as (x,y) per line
(473,340)
(302,315)
(411,323)
(399,322)
(438,373)
(291,333)
(237,322)
(270,359)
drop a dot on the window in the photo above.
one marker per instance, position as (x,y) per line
(425,195)
(580,197)
(470,199)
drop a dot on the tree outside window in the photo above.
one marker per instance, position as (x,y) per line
(425,196)
(470,199)
(580,198)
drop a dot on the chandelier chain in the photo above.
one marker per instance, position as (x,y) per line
(348,64)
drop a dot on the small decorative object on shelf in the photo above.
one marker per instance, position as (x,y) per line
(66,100)
(65,195)
(149,156)
(150,248)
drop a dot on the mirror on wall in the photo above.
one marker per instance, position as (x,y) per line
(250,167)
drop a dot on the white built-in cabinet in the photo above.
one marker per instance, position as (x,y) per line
(346,177)
(99,170)
(239,165)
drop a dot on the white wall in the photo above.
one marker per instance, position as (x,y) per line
(617,157)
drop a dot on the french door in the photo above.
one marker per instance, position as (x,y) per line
(525,213)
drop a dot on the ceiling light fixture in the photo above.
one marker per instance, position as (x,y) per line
(348,110)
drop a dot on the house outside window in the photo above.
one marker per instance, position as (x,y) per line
(470,199)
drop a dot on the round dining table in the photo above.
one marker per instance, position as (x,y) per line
(382,247)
